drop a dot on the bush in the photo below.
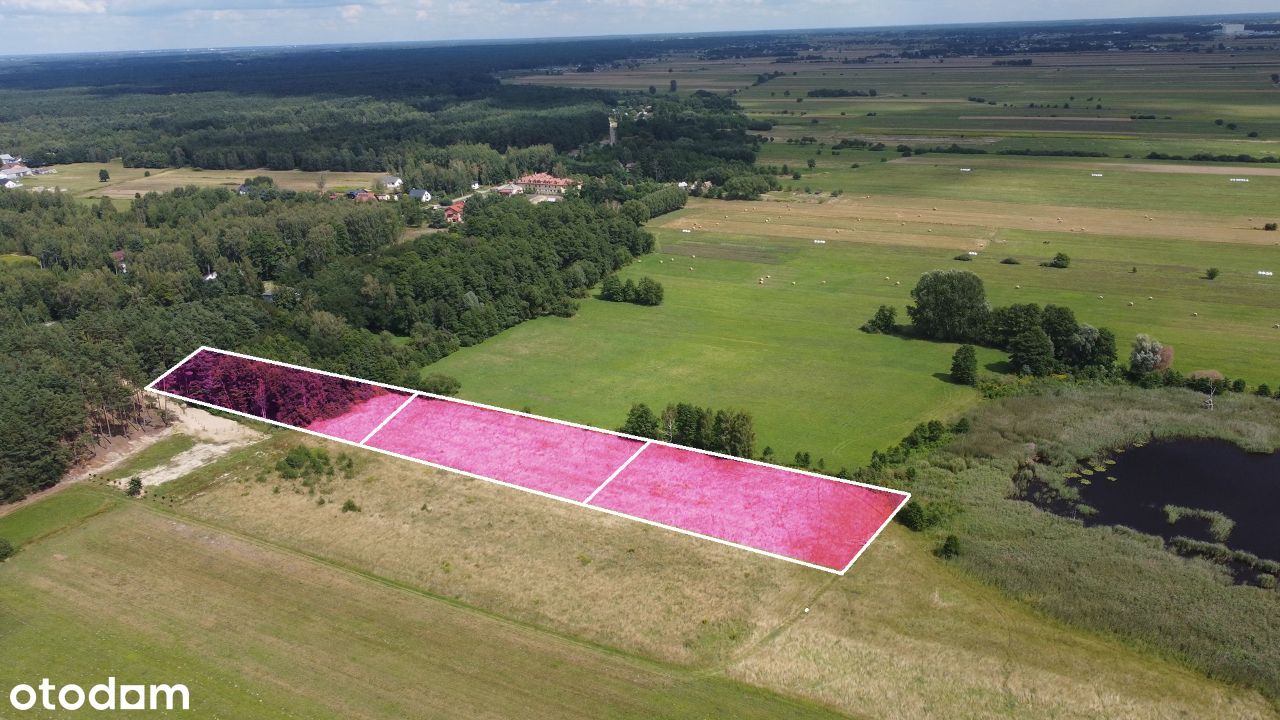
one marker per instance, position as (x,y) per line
(884,322)
(964,257)
(350,506)
(1211,274)
(440,384)
(950,548)
(1011,261)
(1269,227)
(6,550)
(916,516)
(1061,260)
(135,487)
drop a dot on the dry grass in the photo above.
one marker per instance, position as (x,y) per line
(255,632)
(947,223)
(81,179)
(903,635)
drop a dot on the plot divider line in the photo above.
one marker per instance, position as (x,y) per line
(389,418)
(616,473)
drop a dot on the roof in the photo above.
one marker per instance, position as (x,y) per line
(544,179)
(420,193)
(390,180)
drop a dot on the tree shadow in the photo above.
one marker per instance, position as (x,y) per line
(1004,367)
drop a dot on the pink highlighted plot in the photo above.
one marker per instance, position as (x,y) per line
(333,406)
(810,519)
(562,460)
(817,520)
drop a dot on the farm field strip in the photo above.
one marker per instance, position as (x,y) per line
(805,518)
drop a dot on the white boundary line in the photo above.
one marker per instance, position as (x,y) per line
(615,474)
(647,441)
(389,418)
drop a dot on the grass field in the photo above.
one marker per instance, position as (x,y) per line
(278,635)
(81,179)
(900,614)
(792,353)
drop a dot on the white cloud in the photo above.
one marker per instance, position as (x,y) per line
(351,13)
(55,7)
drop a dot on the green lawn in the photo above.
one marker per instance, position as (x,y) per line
(56,512)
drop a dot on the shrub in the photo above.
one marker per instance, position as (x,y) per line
(1011,261)
(964,257)
(950,548)
(1269,227)
(440,384)
(1211,274)
(6,550)
(1061,260)
(135,487)
(1145,354)
(350,506)
(916,516)
(884,322)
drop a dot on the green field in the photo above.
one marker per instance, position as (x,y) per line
(790,354)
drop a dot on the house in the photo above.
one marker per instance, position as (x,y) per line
(118,257)
(391,182)
(545,184)
(15,170)
(364,196)
(453,213)
(6,158)
(11,185)
(509,189)
(420,195)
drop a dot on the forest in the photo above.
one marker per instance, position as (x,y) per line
(112,299)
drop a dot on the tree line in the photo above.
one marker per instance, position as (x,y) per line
(724,431)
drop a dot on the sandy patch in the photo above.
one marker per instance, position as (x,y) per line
(215,436)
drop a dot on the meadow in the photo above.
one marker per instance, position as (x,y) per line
(790,352)
(81,180)
(474,556)
(266,641)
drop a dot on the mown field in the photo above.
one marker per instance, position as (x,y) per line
(790,351)
(278,634)
(81,179)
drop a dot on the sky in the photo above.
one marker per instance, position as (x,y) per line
(47,26)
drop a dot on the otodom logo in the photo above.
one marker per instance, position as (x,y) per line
(103,696)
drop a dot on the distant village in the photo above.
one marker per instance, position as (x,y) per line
(538,187)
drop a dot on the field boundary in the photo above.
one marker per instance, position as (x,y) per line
(646,443)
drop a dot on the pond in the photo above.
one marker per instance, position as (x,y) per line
(1207,490)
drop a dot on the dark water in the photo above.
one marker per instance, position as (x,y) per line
(1205,474)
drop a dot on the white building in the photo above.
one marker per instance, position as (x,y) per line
(391,182)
